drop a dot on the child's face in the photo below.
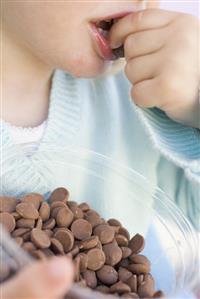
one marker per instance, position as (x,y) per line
(59,32)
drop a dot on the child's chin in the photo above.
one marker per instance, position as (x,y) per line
(91,70)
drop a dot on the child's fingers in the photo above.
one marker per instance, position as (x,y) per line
(47,279)
(139,21)
(145,93)
(142,68)
(143,43)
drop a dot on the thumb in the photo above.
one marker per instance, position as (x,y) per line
(46,279)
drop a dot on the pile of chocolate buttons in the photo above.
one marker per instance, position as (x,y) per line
(106,259)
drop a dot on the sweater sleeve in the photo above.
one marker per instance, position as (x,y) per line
(178,171)
(178,143)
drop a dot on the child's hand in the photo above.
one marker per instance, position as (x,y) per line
(161,50)
(48,279)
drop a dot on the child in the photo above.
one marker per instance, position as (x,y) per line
(161,53)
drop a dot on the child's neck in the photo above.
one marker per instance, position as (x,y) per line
(25,85)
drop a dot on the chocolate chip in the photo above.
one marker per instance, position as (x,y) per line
(20,232)
(126,252)
(66,238)
(93,217)
(84,207)
(8,221)
(123,231)
(146,288)
(90,278)
(89,243)
(25,223)
(59,194)
(96,259)
(120,288)
(7,204)
(140,259)
(132,282)
(64,217)
(113,254)
(137,243)
(34,198)
(39,223)
(56,246)
(114,222)
(139,268)
(121,240)
(44,211)
(49,224)
(83,262)
(27,210)
(39,238)
(105,233)
(119,52)
(124,274)
(107,275)
(81,229)
(77,212)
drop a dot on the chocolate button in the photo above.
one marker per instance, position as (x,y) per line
(120,288)
(107,275)
(77,212)
(121,240)
(139,268)
(124,274)
(83,262)
(90,278)
(27,210)
(38,254)
(159,294)
(93,217)
(113,254)
(137,243)
(40,238)
(57,204)
(89,243)
(84,207)
(7,204)
(56,246)
(34,198)
(146,288)
(20,232)
(44,211)
(8,221)
(49,224)
(66,238)
(105,233)
(123,231)
(132,282)
(64,217)
(96,259)
(114,222)
(140,259)
(59,194)
(25,223)
(81,229)
(126,252)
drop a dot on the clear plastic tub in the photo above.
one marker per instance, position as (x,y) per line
(118,192)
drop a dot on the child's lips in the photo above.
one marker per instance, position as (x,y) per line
(101,43)
(100,31)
